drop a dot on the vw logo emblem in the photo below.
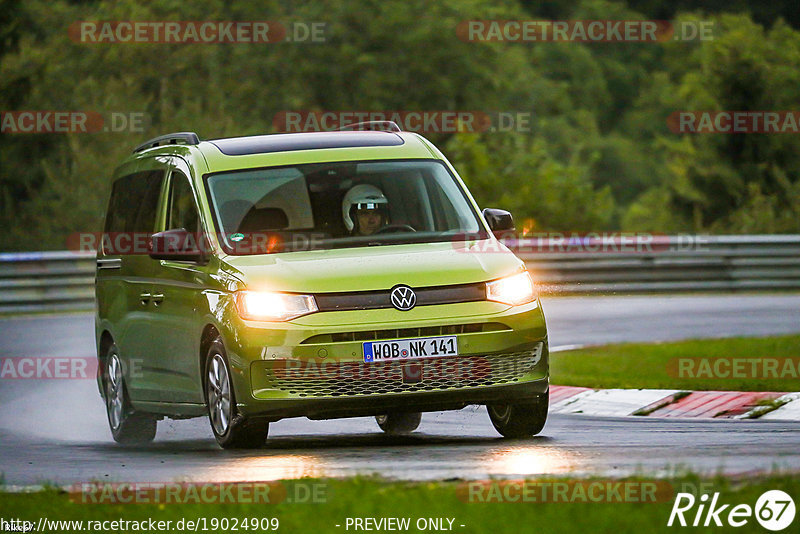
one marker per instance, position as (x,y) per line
(403,298)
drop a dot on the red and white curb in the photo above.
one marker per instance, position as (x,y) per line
(775,406)
(789,411)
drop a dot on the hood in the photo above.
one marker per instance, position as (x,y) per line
(374,268)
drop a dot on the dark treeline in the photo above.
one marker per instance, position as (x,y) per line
(599,155)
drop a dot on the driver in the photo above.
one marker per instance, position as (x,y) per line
(365,210)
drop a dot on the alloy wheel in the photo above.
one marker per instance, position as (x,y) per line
(219,394)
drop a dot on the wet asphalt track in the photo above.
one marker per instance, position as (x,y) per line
(55,430)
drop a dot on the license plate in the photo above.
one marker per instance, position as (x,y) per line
(410,349)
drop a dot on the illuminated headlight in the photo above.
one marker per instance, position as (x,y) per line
(515,289)
(269,306)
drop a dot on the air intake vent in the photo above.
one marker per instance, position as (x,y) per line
(348,379)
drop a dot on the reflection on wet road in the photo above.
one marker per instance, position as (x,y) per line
(55,430)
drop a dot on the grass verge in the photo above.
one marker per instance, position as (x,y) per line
(732,364)
(573,510)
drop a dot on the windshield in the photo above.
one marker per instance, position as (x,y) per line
(344,204)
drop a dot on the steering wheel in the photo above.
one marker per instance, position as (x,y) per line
(394,228)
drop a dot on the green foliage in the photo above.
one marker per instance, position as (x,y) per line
(735,183)
(517,173)
(498,506)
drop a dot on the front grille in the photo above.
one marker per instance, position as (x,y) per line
(347,379)
(426,296)
(402,333)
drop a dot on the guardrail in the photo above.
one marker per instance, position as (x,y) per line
(666,264)
(46,281)
(49,281)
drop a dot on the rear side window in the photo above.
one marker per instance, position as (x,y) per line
(134,201)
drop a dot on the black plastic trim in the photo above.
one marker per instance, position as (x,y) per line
(426,296)
(367,405)
(188,138)
(262,144)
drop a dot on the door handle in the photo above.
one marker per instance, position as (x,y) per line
(110,263)
(158,298)
(144,298)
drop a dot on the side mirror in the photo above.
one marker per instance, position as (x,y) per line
(499,220)
(179,245)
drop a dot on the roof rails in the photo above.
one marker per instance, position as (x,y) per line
(187,138)
(375,126)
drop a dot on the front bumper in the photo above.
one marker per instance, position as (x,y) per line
(436,401)
(293,370)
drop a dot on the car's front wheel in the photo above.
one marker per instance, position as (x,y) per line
(520,420)
(398,423)
(127,426)
(231,429)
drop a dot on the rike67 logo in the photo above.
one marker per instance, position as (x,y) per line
(774,510)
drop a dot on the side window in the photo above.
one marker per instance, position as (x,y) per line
(133,203)
(182,211)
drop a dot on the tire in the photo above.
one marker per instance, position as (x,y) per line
(231,429)
(127,426)
(520,420)
(398,423)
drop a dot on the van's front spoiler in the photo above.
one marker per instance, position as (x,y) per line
(362,406)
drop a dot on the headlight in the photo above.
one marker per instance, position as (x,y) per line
(269,306)
(515,289)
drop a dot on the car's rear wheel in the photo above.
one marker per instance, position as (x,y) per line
(397,423)
(127,426)
(520,420)
(231,429)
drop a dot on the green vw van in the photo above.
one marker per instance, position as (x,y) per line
(325,275)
